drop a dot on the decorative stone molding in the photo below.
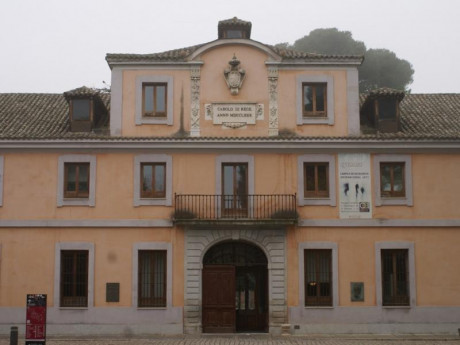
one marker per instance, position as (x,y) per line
(273,101)
(272,242)
(195,102)
(234,76)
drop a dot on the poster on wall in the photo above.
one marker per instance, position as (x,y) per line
(355,185)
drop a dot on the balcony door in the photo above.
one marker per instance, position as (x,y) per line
(235,190)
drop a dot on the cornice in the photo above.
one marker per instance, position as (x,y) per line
(241,144)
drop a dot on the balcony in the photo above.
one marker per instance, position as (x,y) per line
(249,210)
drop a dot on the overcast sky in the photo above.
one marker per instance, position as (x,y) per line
(58,45)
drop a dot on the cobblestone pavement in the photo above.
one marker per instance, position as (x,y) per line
(257,340)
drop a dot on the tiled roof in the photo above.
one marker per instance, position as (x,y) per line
(45,116)
(181,55)
(39,115)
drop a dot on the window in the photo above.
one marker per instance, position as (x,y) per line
(151,275)
(393,182)
(152,180)
(318,274)
(76,180)
(314,101)
(152,278)
(154,99)
(316,179)
(392,179)
(318,277)
(74,278)
(395,277)
(235,188)
(81,110)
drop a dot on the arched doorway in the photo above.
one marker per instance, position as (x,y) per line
(235,288)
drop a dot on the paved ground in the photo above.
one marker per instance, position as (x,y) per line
(257,340)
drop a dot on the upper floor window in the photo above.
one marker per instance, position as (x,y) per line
(392,179)
(154,99)
(76,180)
(316,183)
(316,179)
(314,99)
(393,182)
(153,180)
(81,109)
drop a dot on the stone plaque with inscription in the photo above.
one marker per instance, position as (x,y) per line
(234,114)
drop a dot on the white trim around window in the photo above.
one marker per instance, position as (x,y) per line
(140,119)
(335,274)
(316,158)
(329,80)
(407,200)
(160,158)
(91,199)
(1,180)
(60,246)
(378,270)
(135,258)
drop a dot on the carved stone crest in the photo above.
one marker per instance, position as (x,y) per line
(234,76)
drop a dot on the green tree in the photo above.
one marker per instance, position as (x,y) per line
(381,67)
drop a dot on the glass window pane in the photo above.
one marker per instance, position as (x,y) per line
(308,98)
(160,178)
(228,180)
(161,99)
(398,177)
(322,178)
(148,99)
(147,172)
(83,178)
(310,177)
(385,177)
(81,109)
(71,177)
(320,101)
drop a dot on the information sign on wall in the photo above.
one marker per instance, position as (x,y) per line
(36,320)
(355,196)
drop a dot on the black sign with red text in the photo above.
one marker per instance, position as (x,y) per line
(36,319)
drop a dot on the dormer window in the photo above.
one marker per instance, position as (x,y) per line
(234,28)
(380,111)
(81,110)
(87,109)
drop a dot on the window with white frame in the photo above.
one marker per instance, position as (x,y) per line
(74,272)
(76,180)
(316,179)
(395,274)
(315,99)
(318,275)
(154,100)
(153,180)
(393,180)
(152,275)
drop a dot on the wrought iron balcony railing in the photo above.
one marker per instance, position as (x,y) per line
(256,208)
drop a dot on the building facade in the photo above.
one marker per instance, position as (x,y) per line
(231,186)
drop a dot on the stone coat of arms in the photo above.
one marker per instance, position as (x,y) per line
(234,76)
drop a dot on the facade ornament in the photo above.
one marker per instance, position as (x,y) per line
(234,75)
(195,102)
(273,101)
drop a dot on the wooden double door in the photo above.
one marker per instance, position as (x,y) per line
(235,288)
(235,299)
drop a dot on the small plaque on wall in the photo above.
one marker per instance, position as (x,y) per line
(112,292)
(357,292)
